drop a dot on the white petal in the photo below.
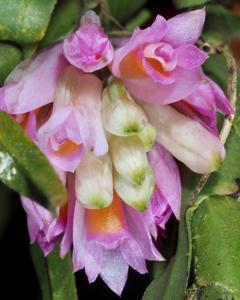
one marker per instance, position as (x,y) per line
(148,136)
(135,195)
(94,182)
(129,158)
(185,138)
(120,114)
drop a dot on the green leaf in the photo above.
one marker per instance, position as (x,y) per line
(124,9)
(220,24)
(24,168)
(140,19)
(216,244)
(172,283)
(24,21)
(10,56)
(65,19)
(55,275)
(189,3)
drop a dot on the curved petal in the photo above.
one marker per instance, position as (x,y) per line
(167,176)
(33,82)
(152,34)
(185,28)
(88,114)
(114,270)
(147,90)
(190,57)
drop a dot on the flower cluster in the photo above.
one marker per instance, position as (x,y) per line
(114,144)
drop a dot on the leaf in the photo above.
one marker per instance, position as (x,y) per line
(24,21)
(189,3)
(65,19)
(172,283)
(124,9)
(140,19)
(55,275)
(220,24)
(216,243)
(10,56)
(24,168)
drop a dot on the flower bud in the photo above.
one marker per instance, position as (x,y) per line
(94,182)
(148,136)
(136,196)
(186,139)
(129,158)
(120,114)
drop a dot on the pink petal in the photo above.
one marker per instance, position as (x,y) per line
(152,34)
(68,232)
(114,270)
(133,255)
(190,57)
(221,100)
(185,28)
(167,176)
(140,231)
(147,90)
(32,83)
(160,209)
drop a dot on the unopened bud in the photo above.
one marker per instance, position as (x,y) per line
(129,158)
(120,114)
(136,196)
(94,181)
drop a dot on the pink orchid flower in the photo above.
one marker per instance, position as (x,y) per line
(112,151)
(160,64)
(89,48)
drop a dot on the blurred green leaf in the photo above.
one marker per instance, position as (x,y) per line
(189,3)
(65,19)
(55,275)
(24,168)
(172,283)
(24,21)
(124,9)
(10,56)
(220,24)
(216,244)
(140,19)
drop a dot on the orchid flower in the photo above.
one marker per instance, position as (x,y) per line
(114,147)
(161,64)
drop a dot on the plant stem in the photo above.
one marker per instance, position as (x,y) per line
(232,96)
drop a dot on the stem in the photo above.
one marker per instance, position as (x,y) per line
(116,33)
(232,96)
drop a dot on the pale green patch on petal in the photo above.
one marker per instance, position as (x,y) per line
(129,158)
(94,181)
(135,195)
(148,136)
(121,116)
